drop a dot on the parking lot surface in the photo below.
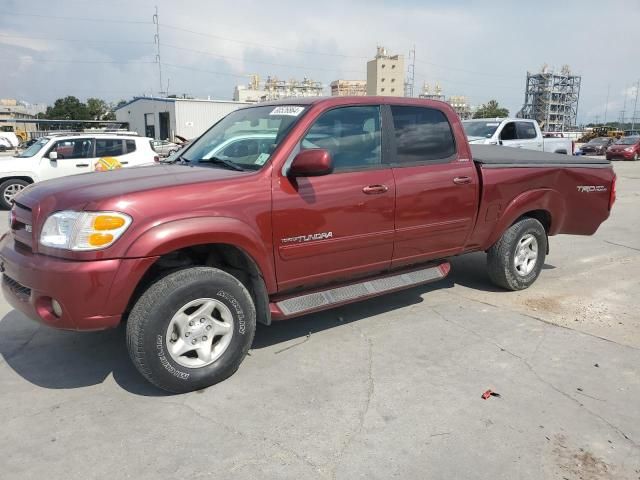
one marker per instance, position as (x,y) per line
(387,388)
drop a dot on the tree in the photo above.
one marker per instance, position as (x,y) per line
(491,109)
(67,108)
(97,108)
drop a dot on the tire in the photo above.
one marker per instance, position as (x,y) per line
(635,157)
(506,266)
(166,304)
(9,189)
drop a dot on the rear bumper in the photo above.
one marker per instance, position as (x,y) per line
(93,295)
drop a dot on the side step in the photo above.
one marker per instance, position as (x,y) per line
(324,299)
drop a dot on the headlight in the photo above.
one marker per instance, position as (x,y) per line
(83,230)
(629,149)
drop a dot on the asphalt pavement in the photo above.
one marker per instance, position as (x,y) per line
(387,388)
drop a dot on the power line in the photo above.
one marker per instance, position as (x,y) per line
(302,67)
(85,19)
(74,40)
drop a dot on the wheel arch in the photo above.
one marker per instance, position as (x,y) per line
(545,205)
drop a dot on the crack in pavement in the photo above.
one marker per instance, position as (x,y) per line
(17,351)
(363,413)
(621,245)
(239,433)
(542,380)
(540,319)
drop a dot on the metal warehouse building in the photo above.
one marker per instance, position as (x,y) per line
(164,118)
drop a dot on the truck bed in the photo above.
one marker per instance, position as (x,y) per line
(494,156)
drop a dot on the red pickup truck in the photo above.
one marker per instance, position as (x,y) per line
(278,210)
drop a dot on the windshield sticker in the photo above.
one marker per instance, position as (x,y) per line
(290,110)
(492,124)
(262,158)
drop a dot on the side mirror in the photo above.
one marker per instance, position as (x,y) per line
(53,155)
(314,162)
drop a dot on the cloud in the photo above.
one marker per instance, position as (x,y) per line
(479,49)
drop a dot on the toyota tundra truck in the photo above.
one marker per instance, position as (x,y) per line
(346,199)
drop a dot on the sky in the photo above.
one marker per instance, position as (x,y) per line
(481,49)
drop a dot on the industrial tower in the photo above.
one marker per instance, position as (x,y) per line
(552,99)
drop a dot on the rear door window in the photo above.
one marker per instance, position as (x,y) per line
(422,135)
(526,130)
(131,145)
(109,147)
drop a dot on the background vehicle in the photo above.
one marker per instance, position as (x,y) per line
(627,148)
(597,146)
(165,148)
(631,133)
(194,253)
(514,132)
(62,155)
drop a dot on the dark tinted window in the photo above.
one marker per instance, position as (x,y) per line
(526,130)
(350,134)
(108,147)
(75,148)
(509,132)
(422,134)
(131,146)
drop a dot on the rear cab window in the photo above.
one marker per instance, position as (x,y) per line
(526,130)
(422,135)
(130,146)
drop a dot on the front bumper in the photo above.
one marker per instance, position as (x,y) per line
(93,294)
(620,155)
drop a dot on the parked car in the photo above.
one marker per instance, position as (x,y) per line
(164,148)
(597,146)
(62,155)
(631,133)
(355,197)
(627,148)
(514,132)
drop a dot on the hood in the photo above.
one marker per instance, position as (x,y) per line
(477,140)
(14,164)
(91,189)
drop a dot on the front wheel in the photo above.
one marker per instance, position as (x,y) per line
(9,189)
(635,157)
(191,329)
(516,259)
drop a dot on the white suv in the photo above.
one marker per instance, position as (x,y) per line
(62,155)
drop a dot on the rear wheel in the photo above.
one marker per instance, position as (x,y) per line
(515,260)
(191,329)
(9,189)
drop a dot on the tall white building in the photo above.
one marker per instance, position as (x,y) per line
(385,74)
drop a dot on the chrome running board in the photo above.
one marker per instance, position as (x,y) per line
(369,288)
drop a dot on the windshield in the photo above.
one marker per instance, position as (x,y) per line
(598,141)
(33,149)
(628,141)
(480,129)
(246,137)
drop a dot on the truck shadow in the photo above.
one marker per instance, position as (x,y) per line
(56,359)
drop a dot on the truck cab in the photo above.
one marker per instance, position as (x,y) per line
(514,132)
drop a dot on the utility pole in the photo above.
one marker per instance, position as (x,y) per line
(606,105)
(624,109)
(156,39)
(635,106)
(411,73)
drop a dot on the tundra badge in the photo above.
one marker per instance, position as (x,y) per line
(308,238)
(591,188)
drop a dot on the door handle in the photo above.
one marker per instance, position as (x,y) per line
(375,189)
(462,180)
(82,164)
(124,163)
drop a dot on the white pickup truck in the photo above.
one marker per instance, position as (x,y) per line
(514,132)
